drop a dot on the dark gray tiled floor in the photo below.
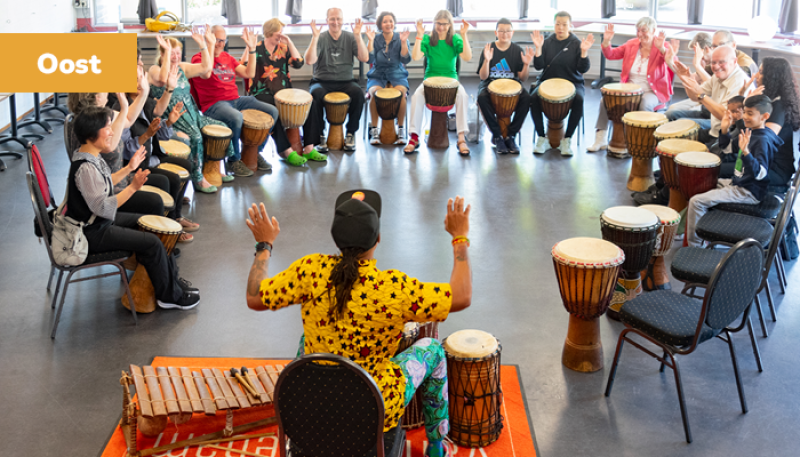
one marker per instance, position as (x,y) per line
(62,397)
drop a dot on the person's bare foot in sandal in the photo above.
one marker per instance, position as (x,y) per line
(463,149)
(413,144)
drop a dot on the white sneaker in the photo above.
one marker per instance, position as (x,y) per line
(401,136)
(374,136)
(565,147)
(599,141)
(542,144)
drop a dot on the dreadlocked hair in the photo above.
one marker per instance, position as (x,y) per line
(778,80)
(343,276)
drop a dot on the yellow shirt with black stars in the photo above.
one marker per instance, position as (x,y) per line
(382,302)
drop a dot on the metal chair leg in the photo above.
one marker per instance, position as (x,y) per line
(764,331)
(661,368)
(58,286)
(754,342)
(52,273)
(770,302)
(60,306)
(613,372)
(124,275)
(679,386)
(739,385)
(779,267)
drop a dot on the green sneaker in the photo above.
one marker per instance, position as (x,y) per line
(227,178)
(240,169)
(263,165)
(316,156)
(296,160)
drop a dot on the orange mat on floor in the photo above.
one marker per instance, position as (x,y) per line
(516,439)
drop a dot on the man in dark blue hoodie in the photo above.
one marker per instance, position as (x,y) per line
(757,145)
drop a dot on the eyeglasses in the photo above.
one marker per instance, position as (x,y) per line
(443,24)
(222,41)
(724,43)
(720,62)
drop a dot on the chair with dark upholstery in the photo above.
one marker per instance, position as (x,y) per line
(768,208)
(111,258)
(677,324)
(694,266)
(332,410)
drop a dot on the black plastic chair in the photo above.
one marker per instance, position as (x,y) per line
(111,258)
(677,324)
(332,410)
(694,266)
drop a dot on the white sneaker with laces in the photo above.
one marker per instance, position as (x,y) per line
(402,138)
(542,145)
(565,147)
(374,136)
(600,141)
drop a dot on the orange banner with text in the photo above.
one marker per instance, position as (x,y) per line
(68,62)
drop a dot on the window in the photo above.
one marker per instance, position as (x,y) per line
(488,9)
(256,11)
(199,11)
(728,13)
(633,10)
(674,11)
(577,8)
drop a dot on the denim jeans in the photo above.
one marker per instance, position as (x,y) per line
(230,113)
(695,115)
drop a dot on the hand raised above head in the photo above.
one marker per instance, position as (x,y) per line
(314,29)
(608,34)
(456,222)
(264,228)
(420,29)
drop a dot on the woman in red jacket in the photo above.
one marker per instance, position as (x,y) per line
(643,63)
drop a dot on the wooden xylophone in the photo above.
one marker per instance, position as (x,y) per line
(177,393)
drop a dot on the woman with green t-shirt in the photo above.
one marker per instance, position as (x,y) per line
(442,49)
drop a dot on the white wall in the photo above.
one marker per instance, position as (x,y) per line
(33,16)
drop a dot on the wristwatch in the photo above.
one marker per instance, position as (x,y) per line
(263,246)
(701,97)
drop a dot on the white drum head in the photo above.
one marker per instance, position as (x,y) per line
(160,224)
(675,146)
(556,89)
(589,252)
(629,216)
(697,159)
(470,344)
(666,215)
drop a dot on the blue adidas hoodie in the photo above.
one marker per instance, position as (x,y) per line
(764,143)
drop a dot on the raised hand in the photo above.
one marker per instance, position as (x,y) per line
(537,38)
(726,122)
(314,30)
(264,228)
(142,85)
(608,35)
(123,102)
(488,52)
(658,41)
(744,141)
(464,28)
(747,85)
(698,55)
(172,79)
(357,26)
(250,39)
(140,177)
(669,55)
(676,44)
(690,86)
(527,56)
(153,128)
(587,43)
(456,222)
(405,34)
(197,36)
(370,33)
(420,29)
(176,113)
(681,69)
(211,40)
(137,159)
(167,45)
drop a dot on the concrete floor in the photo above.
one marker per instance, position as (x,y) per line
(62,397)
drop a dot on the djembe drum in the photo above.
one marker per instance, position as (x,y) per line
(667,150)
(293,108)
(336,106)
(168,231)
(175,148)
(587,270)
(410,336)
(440,97)
(655,276)
(216,139)
(413,416)
(556,96)
(504,95)
(387,102)
(685,129)
(639,127)
(474,390)
(620,98)
(635,231)
(182,173)
(698,172)
(169,202)
(256,126)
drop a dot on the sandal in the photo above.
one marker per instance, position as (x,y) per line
(206,190)
(296,160)
(464,151)
(186,200)
(412,146)
(315,156)
(188,226)
(185,238)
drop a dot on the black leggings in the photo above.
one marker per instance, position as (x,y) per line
(490,115)
(315,125)
(575,114)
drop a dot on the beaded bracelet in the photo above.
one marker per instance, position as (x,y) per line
(460,239)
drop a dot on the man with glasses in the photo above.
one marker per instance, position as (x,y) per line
(331,53)
(218,95)
(504,59)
